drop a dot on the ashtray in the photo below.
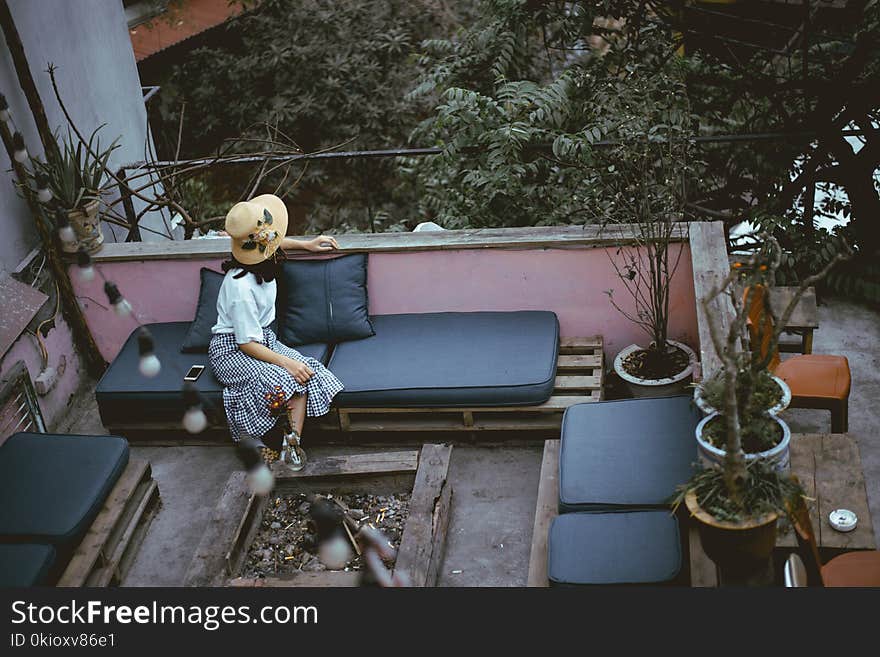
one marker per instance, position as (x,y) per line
(843,520)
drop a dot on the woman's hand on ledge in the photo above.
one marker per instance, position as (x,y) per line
(316,245)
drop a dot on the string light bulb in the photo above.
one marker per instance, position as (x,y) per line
(114,296)
(44,194)
(84,262)
(194,419)
(259,477)
(149,364)
(4,109)
(19,151)
(65,230)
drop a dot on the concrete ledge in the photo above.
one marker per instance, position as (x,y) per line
(481,238)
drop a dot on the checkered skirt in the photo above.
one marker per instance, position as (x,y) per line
(247,380)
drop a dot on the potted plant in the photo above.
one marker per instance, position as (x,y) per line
(650,192)
(75,176)
(737,497)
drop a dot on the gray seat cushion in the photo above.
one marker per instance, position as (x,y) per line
(450,359)
(633,547)
(626,453)
(25,564)
(126,397)
(54,485)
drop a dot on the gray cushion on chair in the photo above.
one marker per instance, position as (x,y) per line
(631,452)
(54,485)
(25,564)
(126,397)
(632,547)
(450,359)
(323,300)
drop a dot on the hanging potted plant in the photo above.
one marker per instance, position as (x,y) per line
(76,179)
(745,486)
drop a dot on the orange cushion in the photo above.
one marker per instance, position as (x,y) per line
(853,569)
(816,375)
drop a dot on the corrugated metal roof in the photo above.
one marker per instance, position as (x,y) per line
(192,18)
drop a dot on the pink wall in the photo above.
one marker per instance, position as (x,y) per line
(569,281)
(59,344)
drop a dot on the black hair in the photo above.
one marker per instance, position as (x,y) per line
(266,270)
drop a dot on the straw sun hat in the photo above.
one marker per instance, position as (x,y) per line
(256,228)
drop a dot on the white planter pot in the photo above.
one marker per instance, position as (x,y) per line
(707,408)
(779,456)
(665,387)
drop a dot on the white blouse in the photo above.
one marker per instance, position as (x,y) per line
(244,307)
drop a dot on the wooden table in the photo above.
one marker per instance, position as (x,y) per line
(830,469)
(803,320)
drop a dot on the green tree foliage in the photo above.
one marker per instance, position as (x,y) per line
(540,126)
(324,73)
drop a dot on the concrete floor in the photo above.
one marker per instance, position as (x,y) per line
(495,486)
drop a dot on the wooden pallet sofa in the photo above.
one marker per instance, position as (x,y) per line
(74,511)
(465,371)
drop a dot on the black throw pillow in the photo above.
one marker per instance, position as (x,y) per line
(199,335)
(323,300)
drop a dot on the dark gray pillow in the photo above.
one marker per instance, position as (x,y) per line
(323,300)
(199,335)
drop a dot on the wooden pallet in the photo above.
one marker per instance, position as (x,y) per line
(579,379)
(111,543)
(424,473)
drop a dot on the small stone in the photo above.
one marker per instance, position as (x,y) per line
(304,507)
(275,525)
(275,540)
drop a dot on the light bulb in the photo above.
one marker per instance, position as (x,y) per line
(66,234)
(149,365)
(335,552)
(195,420)
(19,152)
(4,115)
(122,307)
(44,195)
(261,480)
(87,273)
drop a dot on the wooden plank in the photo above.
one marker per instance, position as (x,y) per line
(708,247)
(209,561)
(545,510)
(576,345)
(416,555)
(806,312)
(90,548)
(147,496)
(569,383)
(328,578)
(472,238)
(244,532)
(840,483)
(581,362)
(704,574)
(354,464)
(442,512)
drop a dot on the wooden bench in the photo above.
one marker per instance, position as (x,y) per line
(579,379)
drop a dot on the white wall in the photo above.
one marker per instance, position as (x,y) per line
(88,41)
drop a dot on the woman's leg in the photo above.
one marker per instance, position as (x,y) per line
(296,408)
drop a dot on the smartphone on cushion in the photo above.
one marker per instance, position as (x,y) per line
(194,373)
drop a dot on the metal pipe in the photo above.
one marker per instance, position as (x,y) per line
(419,152)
